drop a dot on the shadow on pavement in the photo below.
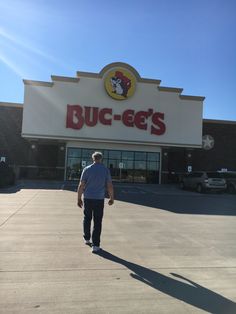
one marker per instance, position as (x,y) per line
(175,200)
(164,197)
(33,184)
(9,189)
(187,291)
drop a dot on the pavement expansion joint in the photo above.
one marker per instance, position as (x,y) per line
(111,269)
(22,206)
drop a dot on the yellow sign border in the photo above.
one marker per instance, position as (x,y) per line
(121,74)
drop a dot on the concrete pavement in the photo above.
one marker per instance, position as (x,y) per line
(164,251)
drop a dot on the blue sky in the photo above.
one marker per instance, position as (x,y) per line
(189,44)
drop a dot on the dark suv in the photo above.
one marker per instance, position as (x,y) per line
(230,178)
(203,180)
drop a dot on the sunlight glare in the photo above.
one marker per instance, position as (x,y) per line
(29,47)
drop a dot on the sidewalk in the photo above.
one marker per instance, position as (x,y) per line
(153,260)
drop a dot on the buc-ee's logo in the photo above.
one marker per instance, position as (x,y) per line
(120,83)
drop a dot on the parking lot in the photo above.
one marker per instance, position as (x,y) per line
(165,250)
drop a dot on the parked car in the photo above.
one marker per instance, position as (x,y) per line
(230,178)
(202,181)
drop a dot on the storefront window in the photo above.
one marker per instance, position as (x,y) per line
(152,165)
(140,164)
(127,156)
(74,168)
(114,154)
(113,165)
(140,155)
(128,164)
(105,162)
(125,166)
(87,153)
(153,156)
(74,152)
(105,153)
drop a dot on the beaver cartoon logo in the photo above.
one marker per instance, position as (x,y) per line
(120,84)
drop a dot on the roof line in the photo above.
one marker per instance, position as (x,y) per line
(65,79)
(219,121)
(170,89)
(102,73)
(190,97)
(38,83)
(11,104)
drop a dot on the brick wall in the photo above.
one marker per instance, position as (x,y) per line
(45,161)
(12,145)
(223,154)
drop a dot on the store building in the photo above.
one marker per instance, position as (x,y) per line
(147,132)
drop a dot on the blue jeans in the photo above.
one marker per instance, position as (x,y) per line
(93,209)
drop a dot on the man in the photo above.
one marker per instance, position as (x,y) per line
(95,180)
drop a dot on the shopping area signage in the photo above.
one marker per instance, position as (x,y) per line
(149,120)
(115,105)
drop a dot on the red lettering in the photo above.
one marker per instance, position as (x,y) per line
(74,119)
(102,116)
(157,120)
(140,119)
(91,116)
(128,117)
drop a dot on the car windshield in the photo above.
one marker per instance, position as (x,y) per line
(213,175)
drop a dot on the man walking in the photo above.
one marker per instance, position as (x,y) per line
(95,180)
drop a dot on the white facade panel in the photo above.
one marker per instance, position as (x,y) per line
(46,112)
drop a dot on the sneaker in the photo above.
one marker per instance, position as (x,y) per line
(87,242)
(95,249)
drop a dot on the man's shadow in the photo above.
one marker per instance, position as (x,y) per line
(188,291)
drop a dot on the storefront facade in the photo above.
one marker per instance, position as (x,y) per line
(129,118)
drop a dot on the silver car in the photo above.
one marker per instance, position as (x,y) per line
(230,178)
(202,181)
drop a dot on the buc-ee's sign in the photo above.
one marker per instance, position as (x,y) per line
(149,120)
(119,84)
